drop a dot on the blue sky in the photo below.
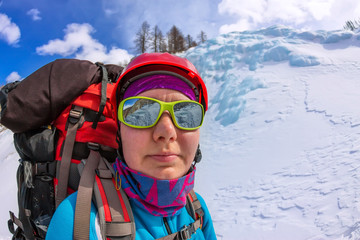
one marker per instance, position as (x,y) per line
(33,33)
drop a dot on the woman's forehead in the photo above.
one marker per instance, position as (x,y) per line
(166,95)
(158,81)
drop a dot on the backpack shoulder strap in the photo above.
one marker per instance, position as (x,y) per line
(116,218)
(83,200)
(75,119)
(193,206)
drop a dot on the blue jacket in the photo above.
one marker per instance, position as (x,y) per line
(147,225)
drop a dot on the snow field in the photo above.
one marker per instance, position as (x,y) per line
(283,138)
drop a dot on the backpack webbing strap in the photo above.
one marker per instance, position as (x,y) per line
(196,205)
(116,219)
(194,208)
(185,233)
(25,229)
(104,83)
(74,120)
(82,151)
(16,221)
(84,195)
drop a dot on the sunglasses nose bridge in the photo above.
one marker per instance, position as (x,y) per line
(168,108)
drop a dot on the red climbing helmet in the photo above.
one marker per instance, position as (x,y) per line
(160,63)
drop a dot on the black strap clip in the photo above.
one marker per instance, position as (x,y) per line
(74,116)
(94,146)
(186,232)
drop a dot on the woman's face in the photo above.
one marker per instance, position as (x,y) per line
(163,151)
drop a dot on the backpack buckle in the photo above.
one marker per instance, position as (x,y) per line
(93,146)
(186,232)
(74,116)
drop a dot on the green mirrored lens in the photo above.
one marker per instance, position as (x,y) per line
(188,114)
(140,112)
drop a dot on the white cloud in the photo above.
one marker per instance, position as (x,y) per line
(251,9)
(240,25)
(76,36)
(34,14)
(79,42)
(14,76)
(9,31)
(308,14)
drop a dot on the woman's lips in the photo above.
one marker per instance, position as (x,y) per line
(168,157)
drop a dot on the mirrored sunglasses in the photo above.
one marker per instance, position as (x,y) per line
(144,112)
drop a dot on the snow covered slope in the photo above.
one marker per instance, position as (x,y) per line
(8,166)
(281,139)
(281,142)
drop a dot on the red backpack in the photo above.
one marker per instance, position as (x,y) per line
(62,118)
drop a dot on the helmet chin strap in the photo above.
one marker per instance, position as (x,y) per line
(198,155)
(119,149)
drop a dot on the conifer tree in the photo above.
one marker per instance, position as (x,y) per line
(176,40)
(162,41)
(142,38)
(155,39)
(352,25)
(202,37)
(190,42)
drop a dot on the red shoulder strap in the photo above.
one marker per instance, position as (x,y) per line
(195,205)
(116,218)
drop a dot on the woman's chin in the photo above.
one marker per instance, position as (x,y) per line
(166,174)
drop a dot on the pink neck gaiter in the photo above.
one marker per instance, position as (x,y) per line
(158,197)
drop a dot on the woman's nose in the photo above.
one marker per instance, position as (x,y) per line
(165,130)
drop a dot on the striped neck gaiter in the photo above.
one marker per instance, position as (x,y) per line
(158,197)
